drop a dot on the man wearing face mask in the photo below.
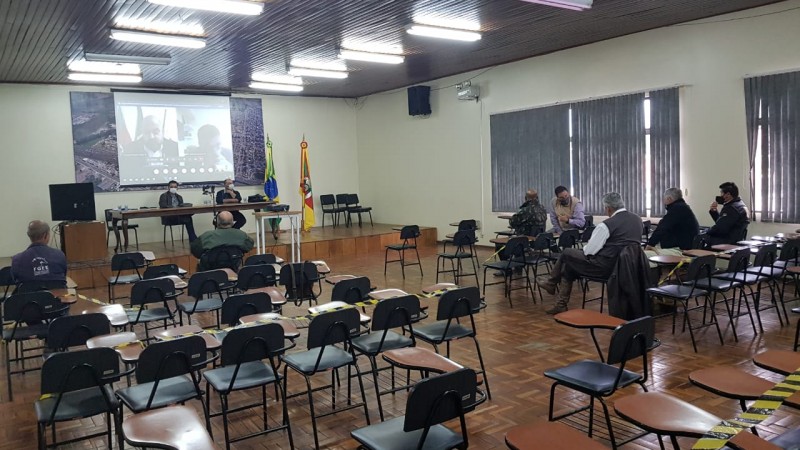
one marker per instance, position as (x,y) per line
(730,224)
(230,195)
(566,211)
(678,227)
(171,199)
(598,257)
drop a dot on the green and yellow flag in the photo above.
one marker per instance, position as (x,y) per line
(271,185)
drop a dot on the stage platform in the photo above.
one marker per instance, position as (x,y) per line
(319,243)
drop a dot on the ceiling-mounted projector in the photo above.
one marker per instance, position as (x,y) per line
(466,91)
(577,5)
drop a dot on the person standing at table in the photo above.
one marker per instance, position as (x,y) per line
(678,227)
(566,211)
(39,262)
(171,199)
(230,195)
(730,224)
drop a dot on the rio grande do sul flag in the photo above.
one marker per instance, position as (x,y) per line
(305,187)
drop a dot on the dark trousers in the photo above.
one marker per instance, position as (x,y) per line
(238,219)
(572,264)
(186,221)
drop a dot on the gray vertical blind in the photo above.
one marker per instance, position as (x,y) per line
(773,102)
(609,149)
(530,149)
(665,146)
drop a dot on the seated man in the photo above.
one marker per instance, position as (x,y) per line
(171,199)
(678,227)
(531,218)
(730,224)
(598,257)
(225,234)
(39,262)
(567,211)
(229,195)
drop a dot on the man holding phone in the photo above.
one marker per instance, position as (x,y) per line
(730,223)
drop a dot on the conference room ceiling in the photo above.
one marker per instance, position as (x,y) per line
(39,38)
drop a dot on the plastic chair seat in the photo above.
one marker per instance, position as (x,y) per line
(677,291)
(592,376)
(76,404)
(663,414)
(332,358)
(717,284)
(746,278)
(435,332)
(170,391)
(148,315)
(457,255)
(766,271)
(124,279)
(401,246)
(251,374)
(38,331)
(209,304)
(369,344)
(504,265)
(389,435)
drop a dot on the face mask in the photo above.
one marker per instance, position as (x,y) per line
(230,186)
(564,201)
(720,199)
(173,190)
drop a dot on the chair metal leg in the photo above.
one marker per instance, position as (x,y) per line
(483,368)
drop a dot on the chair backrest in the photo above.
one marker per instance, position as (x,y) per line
(352,290)
(162,270)
(207,282)
(439,399)
(127,261)
(395,312)
(766,255)
(40,285)
(515,247)
(327,199)
(6,281)
(333,327)
(589,221)
(298,279)
(222,257)
(251,277)
(631,340)
(108,219)
(81,369)
(464,238)
(341,199)
(30,307)
(790,251)
(167,359)
(646,225)
(587,233)
(253,343)
(457,303)
(568,239)
(151,291)
(237,306)
(739,261)
(352,200)
(257,260)
(700,241)
(409,232)
(467,224)
(72,331)
(701,267)
(542,242)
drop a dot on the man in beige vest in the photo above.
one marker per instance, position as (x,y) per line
(566,212)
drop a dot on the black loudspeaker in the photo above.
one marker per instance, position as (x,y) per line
(419,100)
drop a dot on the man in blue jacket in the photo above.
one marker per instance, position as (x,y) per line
(39,262)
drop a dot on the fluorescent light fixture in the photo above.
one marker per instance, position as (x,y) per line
(280,79)
(575,5)
(371,57)
(104,77)
(127,59)
(167,26)
(172,40)
(243,7)
(304,72)
(335,65)
(276,87)
(105,67)
(443,33)
(459,24)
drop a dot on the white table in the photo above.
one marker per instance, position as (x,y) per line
(294,222)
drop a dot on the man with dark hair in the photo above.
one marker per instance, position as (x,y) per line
(230,195)
(678,227)
(39,262)
(224,235)
(730,224)
(209,145)
(171,199)
(566,211)
(598,257)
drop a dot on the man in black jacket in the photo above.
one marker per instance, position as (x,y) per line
(171,199)
(679,226)
(730,224)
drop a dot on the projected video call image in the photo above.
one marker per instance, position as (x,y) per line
(173,137)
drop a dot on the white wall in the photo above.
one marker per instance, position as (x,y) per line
(429,171)
(36,150)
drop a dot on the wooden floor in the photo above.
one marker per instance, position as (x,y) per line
(518,344)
